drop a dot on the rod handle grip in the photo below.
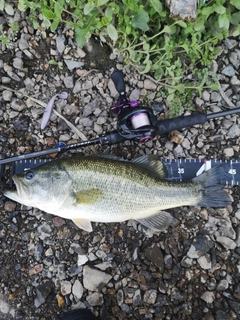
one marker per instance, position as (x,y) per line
(165,126)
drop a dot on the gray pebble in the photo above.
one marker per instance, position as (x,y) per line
(43,291)
(18,105)
(178,152)
(98,129)
(155,255)
(228,152)
(71,64)
(29,82)
(149,85)
(200,246)
(18,63)
(60,43)
(94,279)
(206,95)
(234,60)
(230,43)
(234,131)
(120,297)
(77,289)
(6,80)
(215,96)
(38,251)
(222,285)
(150,296)
(68,82)
(7,95)
(205,262)
(135,94)
(86,122)
(227,242)
(23,43)
(95,299)
(208,296)
(66,287)
(101,120)
(228,71)
(44,231)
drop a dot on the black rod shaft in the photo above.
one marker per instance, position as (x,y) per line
(222,113)
(49,151)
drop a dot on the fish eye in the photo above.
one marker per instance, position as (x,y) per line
(29,175)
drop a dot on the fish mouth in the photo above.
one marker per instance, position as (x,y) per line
(22,189)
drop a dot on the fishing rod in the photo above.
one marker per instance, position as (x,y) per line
(134,123)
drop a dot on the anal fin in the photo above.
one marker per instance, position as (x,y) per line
(157,222)
(83,224)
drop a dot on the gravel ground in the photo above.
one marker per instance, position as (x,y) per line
(121,270)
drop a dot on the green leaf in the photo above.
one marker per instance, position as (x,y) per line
(223,21)
(148,67)
(235,19)
(180,87)
(87,9)
(81,36)
(167,29)
(101,2)
(109,12)
(235,3)
(185,46)
(52,62)
(54,24)
(219,8)
(207,11)
(214,86)
(48,13)
(140,20)
(199,24)
(45,23)
(170,97)
(2,3)
(156,5)
(146,46)
(236,33)
(58,9)
(181,23)
(112,32)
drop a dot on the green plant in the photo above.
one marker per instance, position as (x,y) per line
(8,37)
(144,34)
(59,64)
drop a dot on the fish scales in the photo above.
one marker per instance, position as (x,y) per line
(101,189)
(120,181)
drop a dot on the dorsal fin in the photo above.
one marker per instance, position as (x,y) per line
(153,164)
(148,162)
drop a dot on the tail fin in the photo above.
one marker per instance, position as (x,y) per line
(212,194)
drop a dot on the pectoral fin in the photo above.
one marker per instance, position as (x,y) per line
(158,222)
(83,224)
(88,196)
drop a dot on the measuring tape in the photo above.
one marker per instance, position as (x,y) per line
(177,169)
(187,169)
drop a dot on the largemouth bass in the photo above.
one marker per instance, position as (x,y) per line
(100,189)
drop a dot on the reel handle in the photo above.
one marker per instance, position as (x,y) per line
(118,80)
